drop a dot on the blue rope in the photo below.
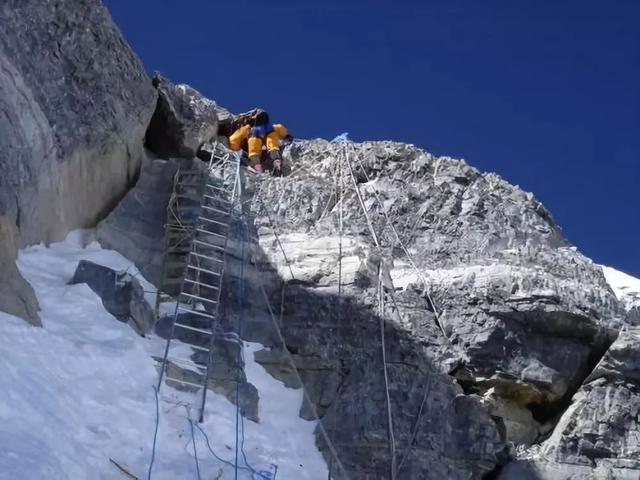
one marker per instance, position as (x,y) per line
(155,434)
(195,451)
(240,303)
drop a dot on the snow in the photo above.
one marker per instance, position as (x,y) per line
(79,391)
(626,287)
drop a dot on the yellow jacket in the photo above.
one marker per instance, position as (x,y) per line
(237,138)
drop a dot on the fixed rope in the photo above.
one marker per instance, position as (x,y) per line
(396,471)
(285,349)
(404,248)
(339,199)
(390,433)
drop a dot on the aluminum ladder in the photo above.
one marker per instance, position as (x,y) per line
(197,231)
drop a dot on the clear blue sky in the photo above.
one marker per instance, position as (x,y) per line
(545,93)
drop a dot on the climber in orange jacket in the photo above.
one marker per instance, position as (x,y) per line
(259,134)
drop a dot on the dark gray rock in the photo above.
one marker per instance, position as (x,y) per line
(135,228)
(75,103)
(602,425)
(121,294)
(183,120)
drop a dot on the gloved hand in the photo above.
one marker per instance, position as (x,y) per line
(287,140)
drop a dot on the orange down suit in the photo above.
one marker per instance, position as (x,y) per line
(257,137)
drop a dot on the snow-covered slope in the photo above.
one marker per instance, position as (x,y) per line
(80,391)
(626,287)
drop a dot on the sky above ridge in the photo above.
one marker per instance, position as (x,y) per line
(546,94)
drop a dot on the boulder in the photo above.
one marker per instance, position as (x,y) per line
(75,103)
(121,294)
(183,120)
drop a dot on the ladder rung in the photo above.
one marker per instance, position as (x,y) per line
(193,329)
(183,382)
(189,295)
(185,362)
(172,281)
(210,245)
(211,272)
(208,232)
(217,199)
(211,209)
(206,285)
(199,255)
(202,349)
(220,189)
(205,219)
(196,312)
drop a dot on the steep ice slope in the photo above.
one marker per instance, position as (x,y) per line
(80,391)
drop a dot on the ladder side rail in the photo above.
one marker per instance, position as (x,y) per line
(237,190)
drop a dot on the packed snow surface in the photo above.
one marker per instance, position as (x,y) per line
(626,287)
(80,391)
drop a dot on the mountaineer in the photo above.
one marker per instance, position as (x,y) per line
(257,136)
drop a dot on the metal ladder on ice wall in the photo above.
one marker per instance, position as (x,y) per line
(197,230)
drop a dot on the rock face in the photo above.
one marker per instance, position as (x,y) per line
(135,228)
(599,434)
(121,294)
(182,122)
(16,295)
(74,106)
(520,316)
(487,338)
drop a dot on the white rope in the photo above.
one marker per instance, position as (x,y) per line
(362,205)
(392,440)
(299,378)
(392,446)
(404,249)
(323,431)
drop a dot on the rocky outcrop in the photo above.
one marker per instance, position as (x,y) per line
(16,295)
(120,292)
(599,434)
(335,345)
(487,338)
(75,103)
(135,228)
(523,317)
(183,120)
